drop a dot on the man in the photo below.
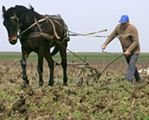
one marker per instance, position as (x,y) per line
(128,36)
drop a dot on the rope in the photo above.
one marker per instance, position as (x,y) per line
(84,61)
(99,36)
(54,29)
(32,25)
(92,34)
(86,34)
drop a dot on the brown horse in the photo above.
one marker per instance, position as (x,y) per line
(37,33)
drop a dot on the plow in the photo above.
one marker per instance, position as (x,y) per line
(84,72)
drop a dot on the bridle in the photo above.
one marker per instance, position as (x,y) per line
(18,25)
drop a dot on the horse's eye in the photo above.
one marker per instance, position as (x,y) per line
(14,21)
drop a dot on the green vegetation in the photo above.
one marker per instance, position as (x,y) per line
(90,57)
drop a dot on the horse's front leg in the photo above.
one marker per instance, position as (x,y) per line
(23,65)
(40,69)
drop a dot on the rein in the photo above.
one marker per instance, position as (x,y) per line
(38,25)
(86,34)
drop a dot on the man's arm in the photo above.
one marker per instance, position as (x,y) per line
(110,38)
(135,40)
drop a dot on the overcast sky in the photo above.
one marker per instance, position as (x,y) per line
(83,16)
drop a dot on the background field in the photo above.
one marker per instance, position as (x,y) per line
(107,98)
(91,57)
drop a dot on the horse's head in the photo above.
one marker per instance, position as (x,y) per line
(11,22)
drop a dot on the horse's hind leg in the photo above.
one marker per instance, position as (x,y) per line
(40,69)
(64,64)
(51,67)
(23,65)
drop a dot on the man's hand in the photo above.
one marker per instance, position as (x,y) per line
(127,53)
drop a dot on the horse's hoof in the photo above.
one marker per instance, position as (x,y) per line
(51,83)
(41,83)
(65,84)
(24,86)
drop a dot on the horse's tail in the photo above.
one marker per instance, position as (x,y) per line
(54,51)
(63,45)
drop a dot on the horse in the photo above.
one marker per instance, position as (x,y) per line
(37,33)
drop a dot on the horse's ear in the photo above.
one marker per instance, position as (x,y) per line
(31,8)
(3,9)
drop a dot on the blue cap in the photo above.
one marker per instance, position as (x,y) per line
(124,19)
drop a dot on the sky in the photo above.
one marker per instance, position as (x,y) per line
(84,16)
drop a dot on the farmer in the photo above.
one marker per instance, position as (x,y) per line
(128,36)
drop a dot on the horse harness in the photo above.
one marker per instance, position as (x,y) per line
(41,33)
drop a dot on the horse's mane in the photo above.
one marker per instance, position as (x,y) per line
(19,9)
